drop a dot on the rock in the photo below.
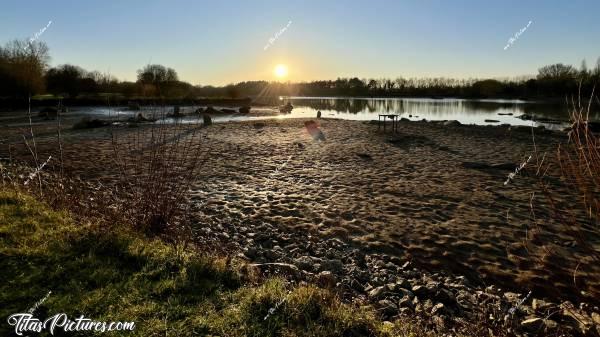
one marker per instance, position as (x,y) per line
(405,292)
(403,283)
(378,293)
(287,108)
(439,322)
(406,302)
(405,311)
(326,279)
(466,300)
(207,120)
(541,305)
(511,297)
(525,117)
(272,254)
(139,118)
(304,263)
(333,265)
(452,123)
(491,121)
(250,252)
(439,309)
(578,320)
(520,128)
(419,290)
(287,268)
(244,110)
(428,305)
(445,296)
(388,307)
(356,285)
(532,324)
(210,110)
(462,280)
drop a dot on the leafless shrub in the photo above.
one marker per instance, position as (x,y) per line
(569,183)
(157,163)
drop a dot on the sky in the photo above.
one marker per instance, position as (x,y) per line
(221,42)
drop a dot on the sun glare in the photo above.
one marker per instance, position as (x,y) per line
(281,70)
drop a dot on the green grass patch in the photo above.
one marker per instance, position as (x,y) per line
(120,275)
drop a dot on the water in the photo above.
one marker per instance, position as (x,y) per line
(462,110)
(480,112)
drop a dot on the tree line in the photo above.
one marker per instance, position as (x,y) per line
(25,71)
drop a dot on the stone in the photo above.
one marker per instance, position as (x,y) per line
(357,286)
(579,320)
(445,296)
(406,302)
(403,283)
(511,297)
(388,307)
(326,279)
(428,305)
(250,252)
(532,324)
(405,292)
(452,123)
(439,309)
(433,287)
(304,263)
(333,265)
(540,305)
(378,293)
(272,254)
(405,311)
(419,290)
(439,322)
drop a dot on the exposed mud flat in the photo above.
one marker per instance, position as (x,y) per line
(432,194)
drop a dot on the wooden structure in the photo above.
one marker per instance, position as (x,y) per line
(395,121)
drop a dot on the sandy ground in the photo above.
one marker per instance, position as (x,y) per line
(429,193)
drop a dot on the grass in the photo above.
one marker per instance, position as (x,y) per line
(121,275)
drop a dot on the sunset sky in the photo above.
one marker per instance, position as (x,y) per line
(219,42)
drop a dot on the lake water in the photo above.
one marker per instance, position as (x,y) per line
(462,110)
(481,112)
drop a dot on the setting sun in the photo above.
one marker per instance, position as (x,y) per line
(281,70)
